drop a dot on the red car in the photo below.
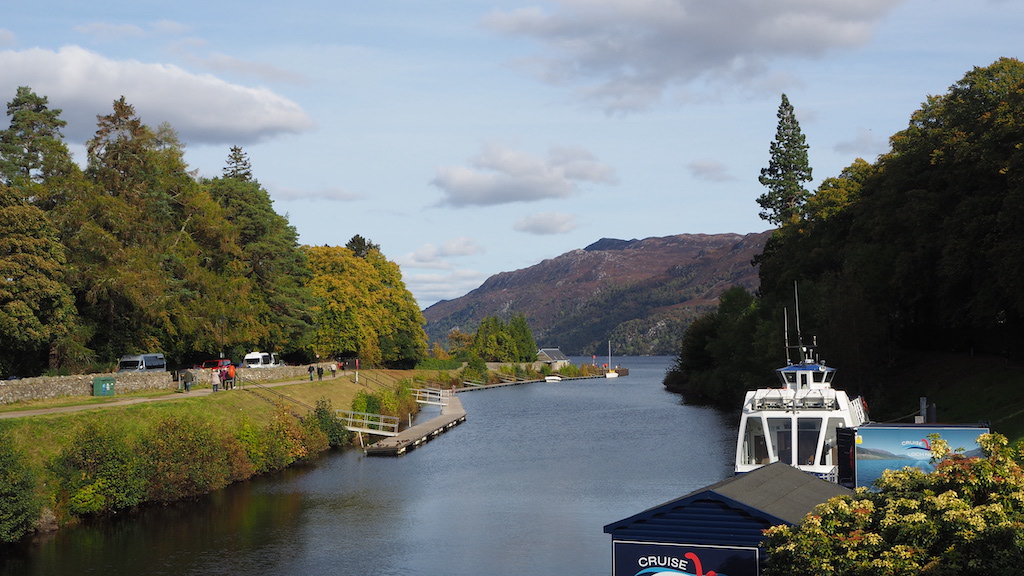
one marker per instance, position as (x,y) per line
(218,363)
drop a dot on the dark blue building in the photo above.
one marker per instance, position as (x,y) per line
(717,529)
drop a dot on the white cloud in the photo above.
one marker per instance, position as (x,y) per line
(431,256)
(431,288)
(627,54)
(545,223)
(499,175)
(710,170)
(202,108)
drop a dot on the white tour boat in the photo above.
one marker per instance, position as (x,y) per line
(796,423)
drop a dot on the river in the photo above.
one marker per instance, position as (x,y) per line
(523,487)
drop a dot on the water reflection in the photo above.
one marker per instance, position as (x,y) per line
(524,486)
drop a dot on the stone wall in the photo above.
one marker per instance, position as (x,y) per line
(46,387)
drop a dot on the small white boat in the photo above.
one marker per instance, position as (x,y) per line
(611,373)
(552,378)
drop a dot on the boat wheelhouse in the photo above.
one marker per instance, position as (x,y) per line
(797,422)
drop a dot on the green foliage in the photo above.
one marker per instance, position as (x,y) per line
(364,309)
(19,505)
(393,400)
(719,359)
(360,246)
(133,254)
(499,341)
(102,471)
(187,457)
(786,172)
(475,370)
(921,250)
(270,259)
(438,364)
(966,517)
(324,418)
(36,306)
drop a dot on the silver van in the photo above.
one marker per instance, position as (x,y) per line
(148,362)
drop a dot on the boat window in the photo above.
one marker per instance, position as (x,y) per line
(830,450)
(803,381)
(819,376)
(829,375)
(755,448)
(781,432)
(808,431)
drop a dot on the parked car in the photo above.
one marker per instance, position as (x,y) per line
(261,360)
(217,363)
(142,362)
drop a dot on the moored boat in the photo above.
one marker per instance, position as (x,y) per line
(796,423)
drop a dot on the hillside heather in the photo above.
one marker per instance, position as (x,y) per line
(640,294)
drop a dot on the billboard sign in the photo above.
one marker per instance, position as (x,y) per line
(880,448)
(667,559)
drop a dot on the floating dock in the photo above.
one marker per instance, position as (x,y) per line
(452,415)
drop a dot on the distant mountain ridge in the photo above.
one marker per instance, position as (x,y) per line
(640,294)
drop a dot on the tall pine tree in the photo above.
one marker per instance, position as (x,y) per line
(787,170)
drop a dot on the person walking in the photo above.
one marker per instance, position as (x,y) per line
(231,375)
(215,379)
(334,368)
(310,369)
(319,372)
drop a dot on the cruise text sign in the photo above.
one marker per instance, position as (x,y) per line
(664,559)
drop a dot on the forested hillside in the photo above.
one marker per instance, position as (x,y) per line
(920,251)
(134,254)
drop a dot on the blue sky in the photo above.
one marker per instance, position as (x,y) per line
(470,137)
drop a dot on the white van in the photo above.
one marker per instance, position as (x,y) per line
(261,360)
(142,362)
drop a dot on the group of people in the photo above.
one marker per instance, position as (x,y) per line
(319,370)
(222,377)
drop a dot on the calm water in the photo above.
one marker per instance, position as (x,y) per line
(523,487)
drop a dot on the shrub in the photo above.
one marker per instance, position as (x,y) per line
(19,505)
(438,364)
(100,471)
(326,421)
(185,457)
(254,442)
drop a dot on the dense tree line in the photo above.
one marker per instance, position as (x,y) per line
(920,250)
(495,340)
(134,253)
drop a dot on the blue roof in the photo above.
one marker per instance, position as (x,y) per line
(805,367)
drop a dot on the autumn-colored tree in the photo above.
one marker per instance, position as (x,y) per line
(966,517)
(364,308)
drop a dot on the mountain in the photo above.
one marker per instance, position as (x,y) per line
(640,294)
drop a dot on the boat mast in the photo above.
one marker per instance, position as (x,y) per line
(799,337)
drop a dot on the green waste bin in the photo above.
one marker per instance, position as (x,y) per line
(103,386)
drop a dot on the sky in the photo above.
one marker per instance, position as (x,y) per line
(472,137)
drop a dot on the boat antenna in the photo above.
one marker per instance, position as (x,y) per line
(799,338)
(785,333)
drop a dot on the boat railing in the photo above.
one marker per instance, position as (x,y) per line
(831,476)
(784,399)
